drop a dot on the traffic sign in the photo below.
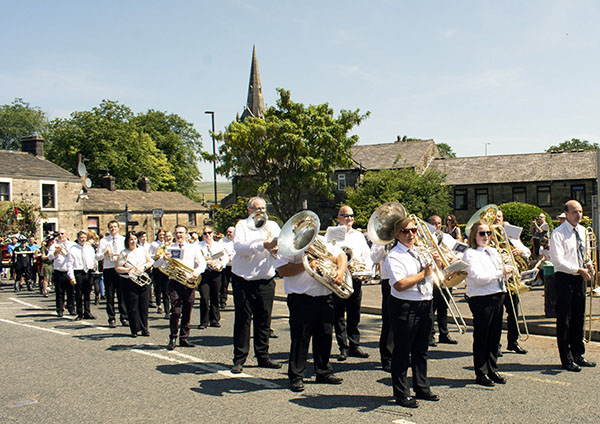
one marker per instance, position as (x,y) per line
(157,213)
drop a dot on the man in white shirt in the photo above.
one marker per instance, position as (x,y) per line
(226,273)
(81,260)
(347,311)
(567,250)
(108,252)
(58,255)
(253,272)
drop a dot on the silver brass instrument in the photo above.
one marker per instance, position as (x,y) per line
(258,222)
(213,262)
(299,235)
(138,277)
(591,261)
(357,268)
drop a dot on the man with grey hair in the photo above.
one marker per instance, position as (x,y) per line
(253,272)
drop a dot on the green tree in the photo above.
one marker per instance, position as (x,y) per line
(521,214)
(421,194)
(19,217)
(111,138)
(445,150)
(229,216)
(292,150)
(17,120)
(573,144)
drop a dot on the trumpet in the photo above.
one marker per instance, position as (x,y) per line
(591,261)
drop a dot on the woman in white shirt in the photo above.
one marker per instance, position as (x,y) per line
(216,258)
(485,292)
(136,259)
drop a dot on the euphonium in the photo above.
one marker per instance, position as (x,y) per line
(299,235)
(178,271)
(160,252)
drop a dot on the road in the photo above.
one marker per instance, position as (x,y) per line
(60,370)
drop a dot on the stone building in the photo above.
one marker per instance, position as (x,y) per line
(27,176)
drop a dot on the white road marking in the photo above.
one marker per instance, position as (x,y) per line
(50,330)
(403,421)
(25,303)
(538,380)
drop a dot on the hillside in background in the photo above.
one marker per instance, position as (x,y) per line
(207,189)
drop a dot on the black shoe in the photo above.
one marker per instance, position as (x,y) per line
(159,310)
(343,355)
(88,316)
(72,312)
(268,363)
(447,340)
(571,366)
(386,366)
(78,318)
(427,396)
(145,334)
(167,316)
(112,324)
(133,335)
(499,355)
(215,324)
(432,343)
(407,402)
(202,326)
(297,385)
(125,323)
(60,314)
(357,352)
(272,334)
(515,347)
(329,379)
(484,380)
(582,362)
(497,378)
(171,344)
(185,343)
(236,369)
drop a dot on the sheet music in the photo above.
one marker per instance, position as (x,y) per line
(335,234)
(512,231)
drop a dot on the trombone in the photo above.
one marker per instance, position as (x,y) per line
(425,241)
(591,260)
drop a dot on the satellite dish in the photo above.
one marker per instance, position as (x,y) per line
(81,170)
(88,183)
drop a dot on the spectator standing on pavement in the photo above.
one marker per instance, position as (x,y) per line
(452,228)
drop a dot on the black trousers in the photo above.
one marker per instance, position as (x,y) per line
(570,316)
(440,311)
(209,297)
(412,321)
(161,288)
(62,285)
(347,317)
(386,338)
(512,335)
(112,286)
(310,317)
(487,330)
(136,299)
(225,280)
(182,301)
(253,302)
(83,289)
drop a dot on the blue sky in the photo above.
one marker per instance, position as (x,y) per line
(518,75)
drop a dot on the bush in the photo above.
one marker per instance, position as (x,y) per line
(521,214)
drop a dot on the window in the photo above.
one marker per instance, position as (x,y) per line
(5,192)
(460,199)
(543,196)
(578,193)
(341,182)
(93,224)
(481,197)
(48,196)
(519,194)
(48,228)
(191,219)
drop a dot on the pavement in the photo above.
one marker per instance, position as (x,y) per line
(533,302)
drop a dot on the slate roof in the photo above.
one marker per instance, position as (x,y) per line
(519,168)
(103,200)
(399,155)
(21,165)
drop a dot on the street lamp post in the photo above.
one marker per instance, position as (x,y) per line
(487,144)
(212,115)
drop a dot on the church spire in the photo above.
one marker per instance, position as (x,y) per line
(255,105)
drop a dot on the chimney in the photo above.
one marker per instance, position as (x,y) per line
(144,184)
(33,144)
(108,182)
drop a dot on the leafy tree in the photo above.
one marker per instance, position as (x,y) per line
(229,216)
(17,120)
(573,144)
(445,150)
(424,195)
(19,217)
(521,214)
(111,138)
(292,150)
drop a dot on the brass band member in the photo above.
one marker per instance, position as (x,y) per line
(226,274)
(108,252)
(386,338)
(311,316)
(137,259)
(485,292)
(159,280)
(58,254)
(411,311)
(253,287)
(567,250)
(81,260)
(210,285)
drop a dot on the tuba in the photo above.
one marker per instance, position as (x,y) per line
(298,235)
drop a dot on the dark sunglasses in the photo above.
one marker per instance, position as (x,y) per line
(347,215)
(207,232)
(409,230)
(485,233)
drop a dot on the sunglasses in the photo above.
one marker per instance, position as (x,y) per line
(485,233)
(347,215)
(207,232)
(409,230)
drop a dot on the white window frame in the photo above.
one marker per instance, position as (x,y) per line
(47,221)
(341,182)
(10,187)
(48,182)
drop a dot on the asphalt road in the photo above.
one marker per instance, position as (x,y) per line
(59,370)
